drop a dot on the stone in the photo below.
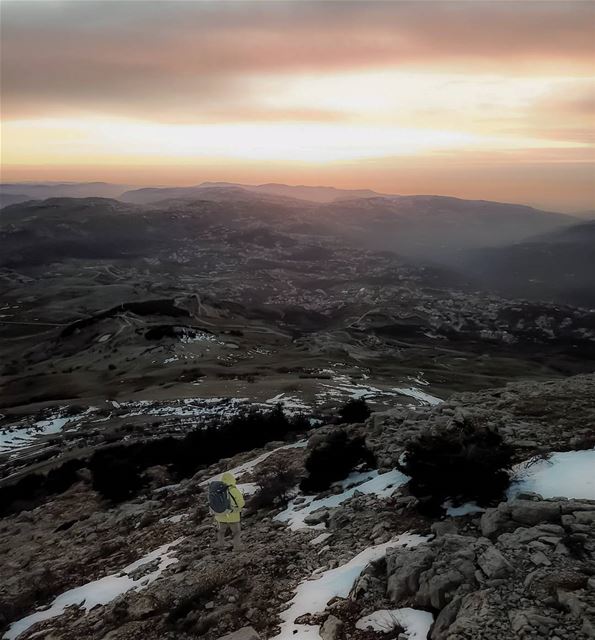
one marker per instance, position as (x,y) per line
(245,633)
(540,559)
(332,629)
(318,517)
(403,568)
(584,517)
(495,521)
(571,602)
(438,590)
(443,527)
(531,513)
(445,619)
(494,564)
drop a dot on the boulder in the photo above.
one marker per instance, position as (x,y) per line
(494,564)
(403,568)
(585,517)
(317,517)
(332,629)
(445,618)
(530,512)
(496,521)
(438,589)
(444,527)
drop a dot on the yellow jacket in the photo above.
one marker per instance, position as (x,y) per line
(236,499)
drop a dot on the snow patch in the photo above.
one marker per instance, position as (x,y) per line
(23,436)
(312,596)
(462,510)
(290,404)
(415,623)
(342,386)
(382,485)
(566,474)
(248,488)
(248,466)
(418,394)
(102,591)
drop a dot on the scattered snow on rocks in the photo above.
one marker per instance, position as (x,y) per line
(290,404)
(248,466)
(382,485)
(312,596)
(100,592)
(418,394)
(23,436)
(342,386)
(174,519)
(248,488)
(198,336)
(321,538)
(569,475)
(415,623)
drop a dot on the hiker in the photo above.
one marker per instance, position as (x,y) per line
(226,502)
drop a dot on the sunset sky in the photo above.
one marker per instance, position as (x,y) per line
(475,99)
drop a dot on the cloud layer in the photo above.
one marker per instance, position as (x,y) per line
(395,78)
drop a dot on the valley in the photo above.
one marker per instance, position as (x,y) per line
(129,329)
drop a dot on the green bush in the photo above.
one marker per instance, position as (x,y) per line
(333,458)
(468,463)
(355,411)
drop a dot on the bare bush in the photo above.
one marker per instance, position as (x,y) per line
(275,484)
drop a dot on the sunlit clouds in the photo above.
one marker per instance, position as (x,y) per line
(320,90)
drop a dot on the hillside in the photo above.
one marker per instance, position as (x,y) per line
(362,552)
(222,189)
(557,266)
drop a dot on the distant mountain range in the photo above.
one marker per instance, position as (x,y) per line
(42,190)
(512,249)
(11,193)
(222,189)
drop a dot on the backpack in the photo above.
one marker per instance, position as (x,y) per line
(219,498)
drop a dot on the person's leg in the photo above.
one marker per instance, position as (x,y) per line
(221,527)
(236,530)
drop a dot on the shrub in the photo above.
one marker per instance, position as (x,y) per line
(333,458)
(183,456)
(34,488)
(469,463)
(114,479)
(355,411)
(274,486)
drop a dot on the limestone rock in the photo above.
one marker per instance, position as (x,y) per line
(494,564)
(332,629)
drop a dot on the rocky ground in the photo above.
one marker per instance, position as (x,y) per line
(521,568)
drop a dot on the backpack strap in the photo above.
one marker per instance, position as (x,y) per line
(230,494)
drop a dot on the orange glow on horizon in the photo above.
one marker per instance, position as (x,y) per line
(388,96)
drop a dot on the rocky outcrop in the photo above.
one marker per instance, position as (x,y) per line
(534,417)
(531,578)
(523,569)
